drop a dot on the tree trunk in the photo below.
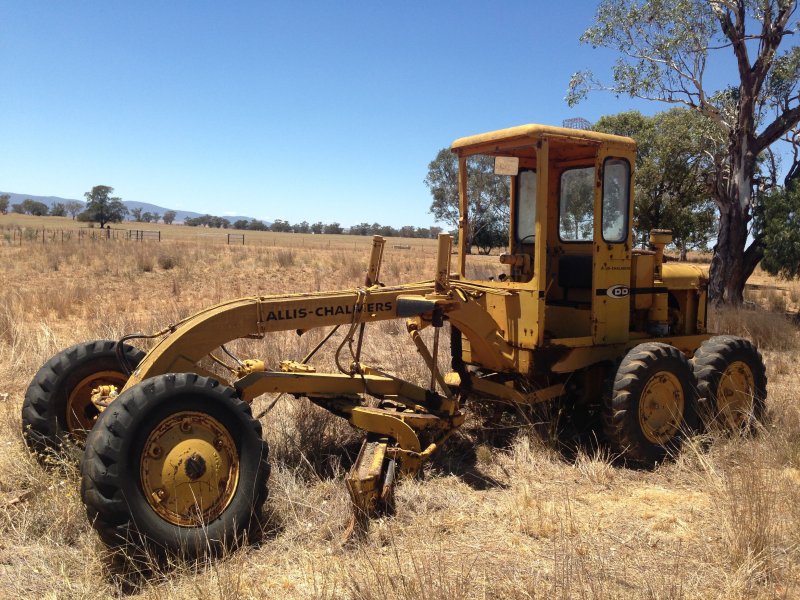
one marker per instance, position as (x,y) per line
(727,277)
(728,274)
(682,256)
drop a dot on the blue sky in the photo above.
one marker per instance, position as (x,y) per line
(311,111)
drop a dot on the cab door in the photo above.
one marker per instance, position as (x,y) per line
(611,264)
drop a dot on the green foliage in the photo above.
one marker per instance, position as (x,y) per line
(208,221)
(136,214)
(103,208)
(655,39)
(148,217)
(256,225)
(332,228)
(675,153)
(33,207)
(169,217)
(493,235)
(781,232)
(317,227)
(73,207)
(280,225)
(4,200)
(488,194)
(58,210)
(17,208)
(303,227)
(361,229)
(240,224)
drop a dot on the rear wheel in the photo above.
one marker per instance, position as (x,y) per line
(651,403)
(57,412)
(732,380)
(176,465)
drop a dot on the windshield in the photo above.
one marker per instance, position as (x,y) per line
(576,206)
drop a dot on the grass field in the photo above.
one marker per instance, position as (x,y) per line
(489,519)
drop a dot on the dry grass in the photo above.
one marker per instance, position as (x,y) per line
(514,520)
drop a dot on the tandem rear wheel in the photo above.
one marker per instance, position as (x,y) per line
(650,404)
(732,380)
(176,465)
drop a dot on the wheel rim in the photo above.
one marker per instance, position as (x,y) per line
(661,407)
(81,413)
(189,468)
(735,394)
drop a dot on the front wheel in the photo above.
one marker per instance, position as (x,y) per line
(176,465)
(57,412)
(651,404)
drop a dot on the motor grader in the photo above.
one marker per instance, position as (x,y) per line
(576,316)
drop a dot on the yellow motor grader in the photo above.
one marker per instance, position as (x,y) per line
(175,461)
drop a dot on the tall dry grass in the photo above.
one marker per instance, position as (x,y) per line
(487,520)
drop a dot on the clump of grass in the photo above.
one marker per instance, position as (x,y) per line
(54,257)
(168,260)
(794,296)
(145,261)
(351,266)
(776,300)
(285,258)
(768,330)
(310,440)
(751,497)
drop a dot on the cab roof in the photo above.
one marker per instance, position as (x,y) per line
(530,134)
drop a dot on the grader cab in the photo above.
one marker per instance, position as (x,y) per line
(575,316)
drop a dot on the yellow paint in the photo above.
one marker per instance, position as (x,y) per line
(189,468)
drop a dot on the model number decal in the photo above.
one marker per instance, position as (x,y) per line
(618,291)
(283,314)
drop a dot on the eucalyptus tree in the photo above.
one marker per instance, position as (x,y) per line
(488,194)
(102,207)
(666,50)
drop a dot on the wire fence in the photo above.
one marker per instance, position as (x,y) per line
(20,236)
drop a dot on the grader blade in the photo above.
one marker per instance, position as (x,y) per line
(371,486)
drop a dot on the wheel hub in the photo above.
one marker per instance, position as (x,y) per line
(735,394)
(81,412)
(189,468)
(661,407)
(195,467)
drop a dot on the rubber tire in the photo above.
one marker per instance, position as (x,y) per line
(111,487)
(621,403)
(44,410)
(710,362)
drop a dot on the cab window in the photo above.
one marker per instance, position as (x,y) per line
(616,195)
(526,206)
(576,205)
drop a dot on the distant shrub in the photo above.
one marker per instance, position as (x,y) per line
(167,260)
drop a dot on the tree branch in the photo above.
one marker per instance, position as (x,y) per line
(773,132)
(735,33)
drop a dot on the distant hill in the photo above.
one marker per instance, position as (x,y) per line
(180,215)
